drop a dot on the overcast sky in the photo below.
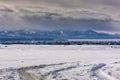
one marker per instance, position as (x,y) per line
(99,15)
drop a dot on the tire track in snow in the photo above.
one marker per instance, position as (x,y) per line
(103,76)
(54,72)
(26,75)
(96,71)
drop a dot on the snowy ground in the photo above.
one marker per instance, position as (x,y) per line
(59,62)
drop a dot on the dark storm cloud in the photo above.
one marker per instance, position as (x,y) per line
(68,23)
(101,15)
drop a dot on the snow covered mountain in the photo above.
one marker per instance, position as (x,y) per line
(52,35)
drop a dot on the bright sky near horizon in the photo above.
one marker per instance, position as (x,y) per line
(99,15)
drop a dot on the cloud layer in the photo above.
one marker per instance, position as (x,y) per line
(100,15)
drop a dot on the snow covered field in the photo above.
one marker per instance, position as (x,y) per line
(59,62)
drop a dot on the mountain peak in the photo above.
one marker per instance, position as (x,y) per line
(90,32)
(35,34)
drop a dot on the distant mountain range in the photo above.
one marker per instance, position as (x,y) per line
(54,35)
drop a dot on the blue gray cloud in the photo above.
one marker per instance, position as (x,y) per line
(100,15)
